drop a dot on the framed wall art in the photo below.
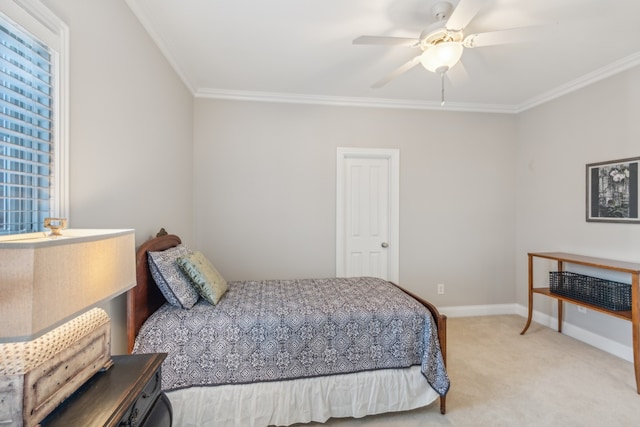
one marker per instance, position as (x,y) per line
(612,191)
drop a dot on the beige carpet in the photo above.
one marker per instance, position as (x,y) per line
(500,378)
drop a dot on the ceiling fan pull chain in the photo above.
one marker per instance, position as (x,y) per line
(442,88)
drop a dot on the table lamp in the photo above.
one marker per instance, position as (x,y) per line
(52,337)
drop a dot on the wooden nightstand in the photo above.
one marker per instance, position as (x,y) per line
(128,394)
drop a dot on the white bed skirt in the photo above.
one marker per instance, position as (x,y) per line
(301,401)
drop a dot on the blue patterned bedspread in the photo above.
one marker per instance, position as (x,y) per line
(286,329)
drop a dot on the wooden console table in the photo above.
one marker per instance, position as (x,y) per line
(632,315)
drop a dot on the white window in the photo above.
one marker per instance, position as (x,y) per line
(33,116)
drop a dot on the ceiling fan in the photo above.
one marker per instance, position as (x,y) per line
(441,44)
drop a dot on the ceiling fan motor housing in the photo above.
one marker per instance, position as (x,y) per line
(441,35)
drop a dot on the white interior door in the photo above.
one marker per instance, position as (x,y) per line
(367,213)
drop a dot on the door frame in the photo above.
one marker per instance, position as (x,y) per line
(393,155)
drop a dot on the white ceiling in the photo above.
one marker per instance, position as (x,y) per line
(302,51)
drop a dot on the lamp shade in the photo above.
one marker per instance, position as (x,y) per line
(46,281)
(442,56)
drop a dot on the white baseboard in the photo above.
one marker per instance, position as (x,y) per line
(479,310)
(598,341)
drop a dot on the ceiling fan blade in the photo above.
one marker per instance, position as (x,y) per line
(463,14)
(492,38)
(389,41)
(398,71)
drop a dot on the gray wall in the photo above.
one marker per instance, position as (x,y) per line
(555,142)
(130,130)
(253,184)
(265,179)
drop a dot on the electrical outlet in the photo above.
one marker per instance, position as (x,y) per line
(441,288)
(582,310)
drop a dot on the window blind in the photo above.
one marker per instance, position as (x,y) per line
(26,134)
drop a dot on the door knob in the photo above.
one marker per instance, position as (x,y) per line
(384,245)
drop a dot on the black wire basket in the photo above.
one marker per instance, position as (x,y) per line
(593,290)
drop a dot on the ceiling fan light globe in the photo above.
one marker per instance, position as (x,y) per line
(441,55)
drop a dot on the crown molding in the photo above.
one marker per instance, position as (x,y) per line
(141,14)
(239,95)
(609,70)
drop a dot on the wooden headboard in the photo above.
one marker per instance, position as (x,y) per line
(145,297)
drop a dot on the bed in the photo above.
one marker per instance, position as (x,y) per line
(300,387)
